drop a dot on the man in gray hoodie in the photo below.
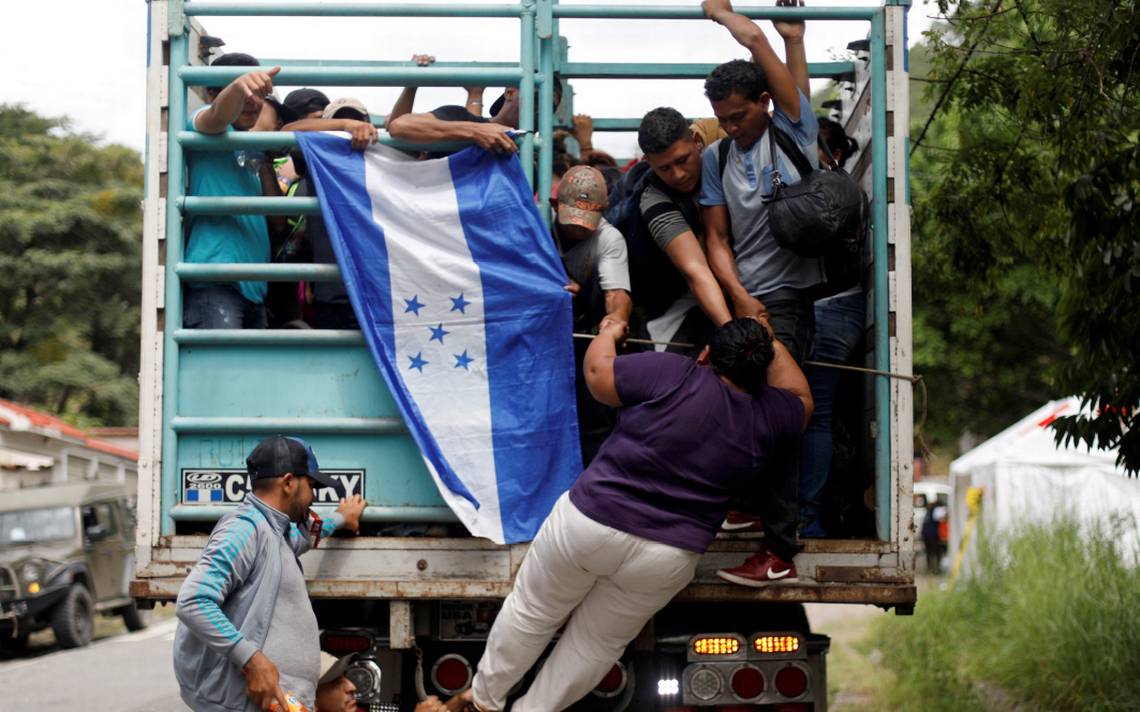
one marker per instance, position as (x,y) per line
(247,633)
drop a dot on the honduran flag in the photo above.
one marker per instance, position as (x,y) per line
(457,286)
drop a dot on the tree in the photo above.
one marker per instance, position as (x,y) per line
(70,254)
(1035,163)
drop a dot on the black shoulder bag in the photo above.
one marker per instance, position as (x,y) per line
(824,215)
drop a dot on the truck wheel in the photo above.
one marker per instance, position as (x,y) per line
(71,621)
(132,617)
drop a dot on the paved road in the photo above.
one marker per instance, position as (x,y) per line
(124,673)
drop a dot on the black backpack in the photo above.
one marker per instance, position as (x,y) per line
(656,283)
(822,216)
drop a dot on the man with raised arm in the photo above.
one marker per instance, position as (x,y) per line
(627,536)
(222,239)
(760,277)
(457,123)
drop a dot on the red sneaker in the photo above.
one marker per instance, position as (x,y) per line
(761,569)
(739,523)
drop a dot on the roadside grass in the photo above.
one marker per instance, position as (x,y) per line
(1049,620)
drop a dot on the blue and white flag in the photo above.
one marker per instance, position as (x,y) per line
(457,286)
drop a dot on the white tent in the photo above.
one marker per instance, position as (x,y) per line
(1027,478)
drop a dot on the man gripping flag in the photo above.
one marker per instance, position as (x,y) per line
(458,289)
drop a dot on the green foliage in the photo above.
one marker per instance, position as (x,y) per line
(1026,228)
(983,312)
(1052,621)
(70,255)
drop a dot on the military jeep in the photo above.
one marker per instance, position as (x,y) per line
(66,553)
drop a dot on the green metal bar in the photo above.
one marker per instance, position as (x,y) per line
(546,106)
(202,205)
(334,426)
(282,140)
(881,279)
(377,515)
(304,63)
(669,12)
(269,337)
(256,272)
(527,60)
(172,304)
(654,70)
(366,76)
(344,9)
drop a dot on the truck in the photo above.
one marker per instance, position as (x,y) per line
(414,595)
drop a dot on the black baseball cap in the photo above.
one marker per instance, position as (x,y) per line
(285,115)
(279,455)
(306,101)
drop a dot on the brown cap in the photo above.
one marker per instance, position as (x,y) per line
(333,668)
(582,197)
(345,103)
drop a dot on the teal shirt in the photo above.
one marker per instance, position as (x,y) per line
(220,239)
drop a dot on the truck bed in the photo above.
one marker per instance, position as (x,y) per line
(831,571)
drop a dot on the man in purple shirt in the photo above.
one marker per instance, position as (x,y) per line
(627,536)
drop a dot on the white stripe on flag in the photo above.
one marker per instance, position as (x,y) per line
(440,342)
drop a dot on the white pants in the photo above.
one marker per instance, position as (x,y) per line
(608,583)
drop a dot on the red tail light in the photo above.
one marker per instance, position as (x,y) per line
(791,682)
(747,682)
(613,684)
(451,674)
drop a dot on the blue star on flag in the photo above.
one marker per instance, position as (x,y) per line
(461,360)
(414,305)
(437,333)
(459,304)
(418,362)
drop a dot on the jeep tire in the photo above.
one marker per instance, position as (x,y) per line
(132,617)
(72,621)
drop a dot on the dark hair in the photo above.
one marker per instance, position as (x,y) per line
(233,59)
(836,139)
(741,351)
(600,159)
(498,105)
(660,129)
(736,77)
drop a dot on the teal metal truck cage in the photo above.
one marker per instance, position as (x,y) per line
(208,396)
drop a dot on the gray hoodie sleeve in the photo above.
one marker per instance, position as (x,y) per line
(228,559)
(301,540)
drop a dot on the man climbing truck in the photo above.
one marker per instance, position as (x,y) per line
(415,595)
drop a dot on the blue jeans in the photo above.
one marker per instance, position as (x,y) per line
(220,306)
(839,325)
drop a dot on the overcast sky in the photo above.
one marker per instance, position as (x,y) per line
(86,59)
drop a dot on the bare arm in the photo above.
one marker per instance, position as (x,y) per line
(780,82)
(362,133)
(793,34)
(598,366)
(619,305)
(685,252)
(227,105)
(402,106)
(407,97)
(784,373)
(723,263)
(426,128)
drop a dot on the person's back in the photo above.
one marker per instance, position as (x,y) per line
(684,444)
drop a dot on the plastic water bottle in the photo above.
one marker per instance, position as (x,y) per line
(252,161)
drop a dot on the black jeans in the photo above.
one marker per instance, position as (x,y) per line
(777,499)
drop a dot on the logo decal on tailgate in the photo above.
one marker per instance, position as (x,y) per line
(224,486)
